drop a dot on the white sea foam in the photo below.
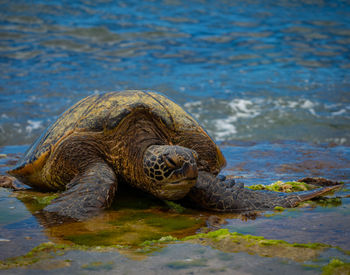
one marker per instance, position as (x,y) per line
(338,109)
(33,125)
(244,108)
(242,117)
(301,103)
(225,127)
(292,104)
(193,104)
(238,109)
(340,112)
(307,104)
(339,141)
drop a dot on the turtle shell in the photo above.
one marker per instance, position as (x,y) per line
(104,112)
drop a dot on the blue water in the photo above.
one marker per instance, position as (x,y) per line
(247,70)
(269,80)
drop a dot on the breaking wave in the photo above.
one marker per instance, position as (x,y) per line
(272,119)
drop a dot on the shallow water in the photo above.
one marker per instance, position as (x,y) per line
(136,219)
(269,81)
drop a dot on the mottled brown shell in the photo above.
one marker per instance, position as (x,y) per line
(98,113)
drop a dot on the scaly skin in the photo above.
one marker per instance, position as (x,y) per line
(217,194)
(87,194)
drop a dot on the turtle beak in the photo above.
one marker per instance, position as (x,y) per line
(190,171)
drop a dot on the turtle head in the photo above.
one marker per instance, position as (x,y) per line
(171,170)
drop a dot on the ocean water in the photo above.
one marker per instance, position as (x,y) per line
(247,70)
(268,80)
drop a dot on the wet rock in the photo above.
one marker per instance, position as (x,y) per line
(10,182)
(215,222)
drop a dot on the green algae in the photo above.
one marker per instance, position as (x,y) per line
(323,202)
(150,246)
(46,252)
(280,186)
(212,234)
(169,224)
(136,227)
(136,221)
(336,267)
(175,207)
(131,216)
(35,201)
(41,252)
(224,233)
(165,222)
(226,241)
(329,202)
(46,200)
(279,208)
(222,239)
(112,237)
(165,239)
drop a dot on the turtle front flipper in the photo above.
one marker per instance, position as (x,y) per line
(87,194)
(224,195)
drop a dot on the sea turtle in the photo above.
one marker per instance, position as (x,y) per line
(140,138)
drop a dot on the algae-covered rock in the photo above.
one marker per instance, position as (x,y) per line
(133,228)
(44,251)
(336,267)
(221,239)
(280,186)
(323,202)
(225,241)
(33,200)
(165,239)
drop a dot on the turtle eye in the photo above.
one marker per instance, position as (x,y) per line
(170,162)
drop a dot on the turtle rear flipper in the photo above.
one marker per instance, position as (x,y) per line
(88,193)
(272,199)
(225,195)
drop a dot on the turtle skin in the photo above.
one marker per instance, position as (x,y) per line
(142,139)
